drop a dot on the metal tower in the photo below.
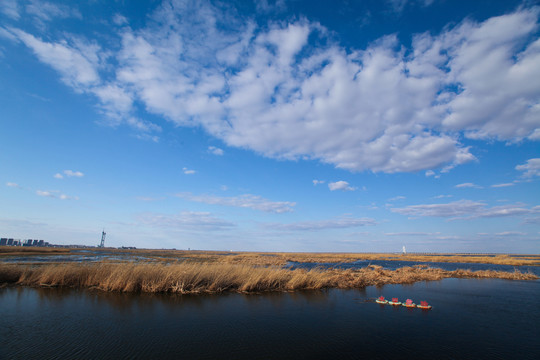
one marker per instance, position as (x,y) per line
(103,233)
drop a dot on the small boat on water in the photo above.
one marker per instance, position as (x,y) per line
(381,300)
(408,303)
(424,305)
(394,301)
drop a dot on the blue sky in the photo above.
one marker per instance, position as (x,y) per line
(272,125)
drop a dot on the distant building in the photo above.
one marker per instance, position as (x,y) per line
(35,243)
(10,242)
(3,241)
(41,243)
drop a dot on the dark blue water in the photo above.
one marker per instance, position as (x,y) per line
(393,265)
(471,319)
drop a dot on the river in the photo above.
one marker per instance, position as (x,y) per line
(470,319)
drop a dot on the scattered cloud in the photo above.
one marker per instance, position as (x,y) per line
(119,20)
(412,234)
(47,11)
(468,185)
(442,196)
(385,108)
(243,201)
(187,220)
(188,171)
(502,185)
(532,221)
(340,185)
(396,198)
(340,223)
(318,182)
(430,173)
(10,8)
(511,233)
(12,184)
(55,194)
(68,173)
(530,169)
(465,209)
(215,150)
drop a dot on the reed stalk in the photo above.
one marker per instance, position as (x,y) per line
(193,278)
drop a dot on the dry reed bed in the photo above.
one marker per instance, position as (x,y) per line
(191,278)
(280,259)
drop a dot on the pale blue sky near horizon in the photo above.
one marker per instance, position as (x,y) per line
(346,126)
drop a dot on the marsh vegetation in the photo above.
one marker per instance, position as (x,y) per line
(189,278)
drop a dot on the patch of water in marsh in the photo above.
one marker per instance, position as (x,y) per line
(393,265)
(480,319)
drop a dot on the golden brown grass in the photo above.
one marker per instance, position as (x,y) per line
(188,278)
(280,259)
(21,250)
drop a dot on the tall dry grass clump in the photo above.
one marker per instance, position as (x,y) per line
(190,278)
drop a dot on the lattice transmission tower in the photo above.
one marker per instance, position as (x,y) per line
(103,233)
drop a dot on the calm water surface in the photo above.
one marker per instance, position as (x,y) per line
(471,319)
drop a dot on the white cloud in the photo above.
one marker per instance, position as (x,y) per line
(341,223)
(10,8)
(442,196)
(318,182)
(531,168)
(58,176)
(77,66)
(511,233)
(468,185)
(12,184)
(465,209)
(188,171)
(216,151)
(46,11)
(186,220)
(396,198)
(385,108)
(244,201)
(412,234)
(71,173)
(340,185)
(502,185)
(55,194)
(120,20)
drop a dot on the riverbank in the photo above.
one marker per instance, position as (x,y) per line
(195,278)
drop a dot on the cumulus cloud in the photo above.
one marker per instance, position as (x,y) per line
(188,220)
(340,185)
(188,171)
(244,201)
(318,182)
(384,108)
(340,223)
(530,169)
(465,209)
